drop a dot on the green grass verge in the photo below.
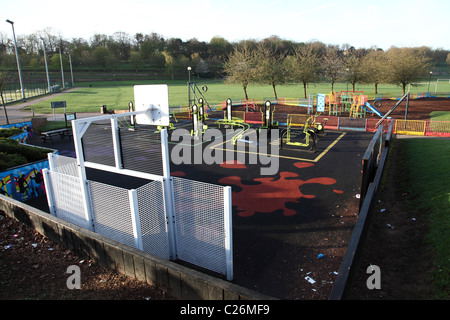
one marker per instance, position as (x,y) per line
(440,116)
(429,172)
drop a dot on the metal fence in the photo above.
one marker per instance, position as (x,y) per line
(169,217)
(13,92)
(132,217)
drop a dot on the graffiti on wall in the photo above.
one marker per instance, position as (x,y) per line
(23,183)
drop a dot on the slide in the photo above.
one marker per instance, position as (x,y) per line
(373,109)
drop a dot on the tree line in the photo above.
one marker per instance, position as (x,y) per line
(272,61)
(267,64)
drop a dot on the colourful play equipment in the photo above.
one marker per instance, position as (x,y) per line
(372,109)
(356,110)
(352,102)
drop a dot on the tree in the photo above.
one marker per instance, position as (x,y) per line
(406,65)
(175,64)
(200,66)
(99,40)
(120,44)
(87,59)
(333,66)
(175,47)
(169,63)
(55,62)
(240,67)
(270,67)
(193,46)
(50,40)
(150,45)
(136,60)
(354,67)
(102,56)
(304,65)
(374,66)
(219,47)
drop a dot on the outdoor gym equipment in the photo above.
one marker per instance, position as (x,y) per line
(267,114)
(232,122)
(198,119)
(308,132)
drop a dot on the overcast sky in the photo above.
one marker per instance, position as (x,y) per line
(360,23)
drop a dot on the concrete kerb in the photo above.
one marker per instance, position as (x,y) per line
(180,281)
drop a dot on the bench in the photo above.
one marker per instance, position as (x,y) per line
(48,135)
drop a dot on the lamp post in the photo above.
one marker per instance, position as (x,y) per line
(62,69)
(18,60)
(189,86)
(347,77)
(71,69)
(46,66)
(429,80)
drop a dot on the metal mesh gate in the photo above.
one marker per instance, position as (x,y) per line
(111,212)
(200,224)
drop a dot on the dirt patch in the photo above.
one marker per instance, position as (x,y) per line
(395,242)
(418,109)
(33,267)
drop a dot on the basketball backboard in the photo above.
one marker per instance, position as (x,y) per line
(154,99)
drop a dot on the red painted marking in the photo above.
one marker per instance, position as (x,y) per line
(233,164)
(338,191)
(303,164)
(178,174)
(270,194)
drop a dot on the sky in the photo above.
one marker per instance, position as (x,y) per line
(360,23)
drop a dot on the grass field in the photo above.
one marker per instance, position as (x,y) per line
(428,169)
(116,95)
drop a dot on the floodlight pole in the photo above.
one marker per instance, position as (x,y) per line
(62,69)
(71,70)
(46,66)
(17,59)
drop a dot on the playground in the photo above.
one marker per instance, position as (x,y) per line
(290,228)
